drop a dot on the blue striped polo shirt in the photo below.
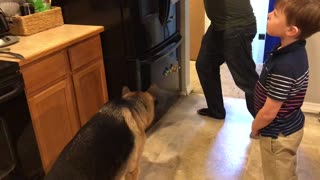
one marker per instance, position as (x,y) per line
(284,77)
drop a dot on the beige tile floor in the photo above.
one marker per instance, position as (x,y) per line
(229,88)
(186,146)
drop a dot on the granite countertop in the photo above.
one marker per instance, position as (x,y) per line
(44,43)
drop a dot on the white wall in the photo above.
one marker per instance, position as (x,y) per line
(185,47)
(312,100)
(260,9)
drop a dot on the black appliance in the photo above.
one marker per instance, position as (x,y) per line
(5,38)
(139,43)
(19,153)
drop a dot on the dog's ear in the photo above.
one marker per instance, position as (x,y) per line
(125,90)
(153,86)
(153,89)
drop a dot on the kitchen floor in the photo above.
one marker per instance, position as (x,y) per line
(187,146)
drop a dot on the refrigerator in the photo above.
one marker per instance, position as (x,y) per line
(140,43)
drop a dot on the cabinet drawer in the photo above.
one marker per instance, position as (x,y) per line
(84,52)
(46,71)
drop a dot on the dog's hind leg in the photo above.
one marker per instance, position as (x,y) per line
(134,162)
(134,167)
(133,175)
(132,172)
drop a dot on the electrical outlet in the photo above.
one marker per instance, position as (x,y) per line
(261,36)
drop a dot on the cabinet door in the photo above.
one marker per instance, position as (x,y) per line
(55,120)
(90,89)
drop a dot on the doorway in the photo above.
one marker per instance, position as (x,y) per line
(198,25)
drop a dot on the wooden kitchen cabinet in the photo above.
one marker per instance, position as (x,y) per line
(64,89)
(90,90)
(89,80)
(54,119)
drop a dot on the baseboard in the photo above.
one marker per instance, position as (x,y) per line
(187,90)
(309,107)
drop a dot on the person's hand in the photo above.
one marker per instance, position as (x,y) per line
(254,134)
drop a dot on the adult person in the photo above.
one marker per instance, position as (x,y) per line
(228,39)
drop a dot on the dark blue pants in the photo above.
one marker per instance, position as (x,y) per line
(232,46)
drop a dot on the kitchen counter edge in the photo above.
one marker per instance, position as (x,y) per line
(44,43)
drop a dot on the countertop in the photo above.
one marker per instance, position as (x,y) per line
(44,43)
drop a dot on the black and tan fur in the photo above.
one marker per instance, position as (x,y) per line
(110,145)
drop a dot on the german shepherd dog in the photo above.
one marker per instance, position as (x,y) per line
(110,145)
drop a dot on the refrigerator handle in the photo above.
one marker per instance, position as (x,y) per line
(169,48)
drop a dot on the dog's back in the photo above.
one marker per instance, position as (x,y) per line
(103,147)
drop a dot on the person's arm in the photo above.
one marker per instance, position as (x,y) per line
(266,115)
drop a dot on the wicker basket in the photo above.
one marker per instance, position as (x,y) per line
(34,23)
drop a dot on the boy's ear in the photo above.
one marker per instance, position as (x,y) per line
(125,90)
(293,31)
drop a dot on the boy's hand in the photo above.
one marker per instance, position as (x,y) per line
(254,134)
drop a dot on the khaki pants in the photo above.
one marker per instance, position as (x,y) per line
(279,158)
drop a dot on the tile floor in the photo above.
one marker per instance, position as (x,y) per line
(229,88)
(186,146)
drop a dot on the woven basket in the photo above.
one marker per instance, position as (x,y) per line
(34,23)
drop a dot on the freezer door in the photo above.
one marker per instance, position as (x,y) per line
(160,66)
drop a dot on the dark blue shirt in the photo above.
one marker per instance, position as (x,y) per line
(284,77)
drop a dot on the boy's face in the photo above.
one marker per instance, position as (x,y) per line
(277,23)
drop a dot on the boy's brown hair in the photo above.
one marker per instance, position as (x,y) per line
(305,14)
